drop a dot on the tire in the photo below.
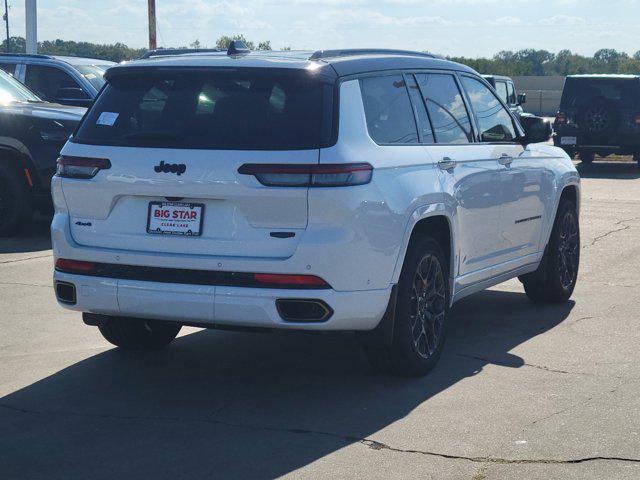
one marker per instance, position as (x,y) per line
(138,334)
(587,157)
(598,118)
(16,208)
(555,278)
(414,353)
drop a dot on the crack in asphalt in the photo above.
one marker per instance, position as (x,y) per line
(611,232)
(604,235)
(26,284)
(372,444)
(504,461)
(525,364)
(17,260)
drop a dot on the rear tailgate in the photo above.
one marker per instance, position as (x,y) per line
(175,141)
(239,215)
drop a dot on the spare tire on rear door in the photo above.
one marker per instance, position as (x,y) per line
(598,118)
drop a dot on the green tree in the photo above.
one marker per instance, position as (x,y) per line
(264,45)
(224,41)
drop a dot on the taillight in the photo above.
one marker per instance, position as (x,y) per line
(292,281)
(561,118)
(328,175)
(80,167)
(636,118)
(74,266)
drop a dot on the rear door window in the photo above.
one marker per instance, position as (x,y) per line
(446,108)
(228,110)
(425,131)
(389,114)
(494,121)
(48,81)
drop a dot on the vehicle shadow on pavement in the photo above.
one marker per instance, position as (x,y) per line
(231,405)
(609,169)
(35,238)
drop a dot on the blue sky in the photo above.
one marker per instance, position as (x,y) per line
(449,27)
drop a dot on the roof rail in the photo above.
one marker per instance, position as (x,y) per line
(32,55)
(366,51)
(161,52)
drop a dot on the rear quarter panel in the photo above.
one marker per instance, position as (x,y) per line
(370,224)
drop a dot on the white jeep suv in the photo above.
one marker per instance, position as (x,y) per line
(357,190)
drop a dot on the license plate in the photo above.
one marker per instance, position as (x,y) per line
(175,218)
(568,140)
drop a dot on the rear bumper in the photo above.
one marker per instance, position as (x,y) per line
(624,146)
(221,305)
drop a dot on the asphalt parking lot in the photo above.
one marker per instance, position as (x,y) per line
(521,391)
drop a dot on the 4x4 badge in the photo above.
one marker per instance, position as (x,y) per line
(177,168)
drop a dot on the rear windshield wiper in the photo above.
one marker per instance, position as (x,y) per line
(154,135)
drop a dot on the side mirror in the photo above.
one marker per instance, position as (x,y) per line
(522,98)
(536,129)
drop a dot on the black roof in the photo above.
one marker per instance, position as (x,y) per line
(329,63)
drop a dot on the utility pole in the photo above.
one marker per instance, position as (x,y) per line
(152,25)
(31,9)
(6,21)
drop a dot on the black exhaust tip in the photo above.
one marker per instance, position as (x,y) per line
(303,310)
(65,292)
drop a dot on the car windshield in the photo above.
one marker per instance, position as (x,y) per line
(12,90)
(93,73)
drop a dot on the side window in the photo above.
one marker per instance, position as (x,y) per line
(8,67)
(446,108)
(388,110)
(494,121)
(424,125)
(511,94)
(501,90)
(47,81)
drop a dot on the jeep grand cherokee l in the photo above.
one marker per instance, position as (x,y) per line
(358,190)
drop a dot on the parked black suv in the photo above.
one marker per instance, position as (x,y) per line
(32,133)
(599,114)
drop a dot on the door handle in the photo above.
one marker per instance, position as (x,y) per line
(505,160)
(446,164)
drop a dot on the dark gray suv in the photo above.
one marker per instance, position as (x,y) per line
(66,80)
(506,90)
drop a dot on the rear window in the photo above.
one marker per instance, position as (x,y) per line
(214,109)
(578,91)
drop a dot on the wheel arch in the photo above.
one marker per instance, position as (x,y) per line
(570,190)
(16,155)
(436,221)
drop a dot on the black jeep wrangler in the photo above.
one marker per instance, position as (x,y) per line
(599,114)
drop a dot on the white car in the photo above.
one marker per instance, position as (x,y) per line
(357,190)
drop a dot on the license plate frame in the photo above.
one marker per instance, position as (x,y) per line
(177,206)
(568,140)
